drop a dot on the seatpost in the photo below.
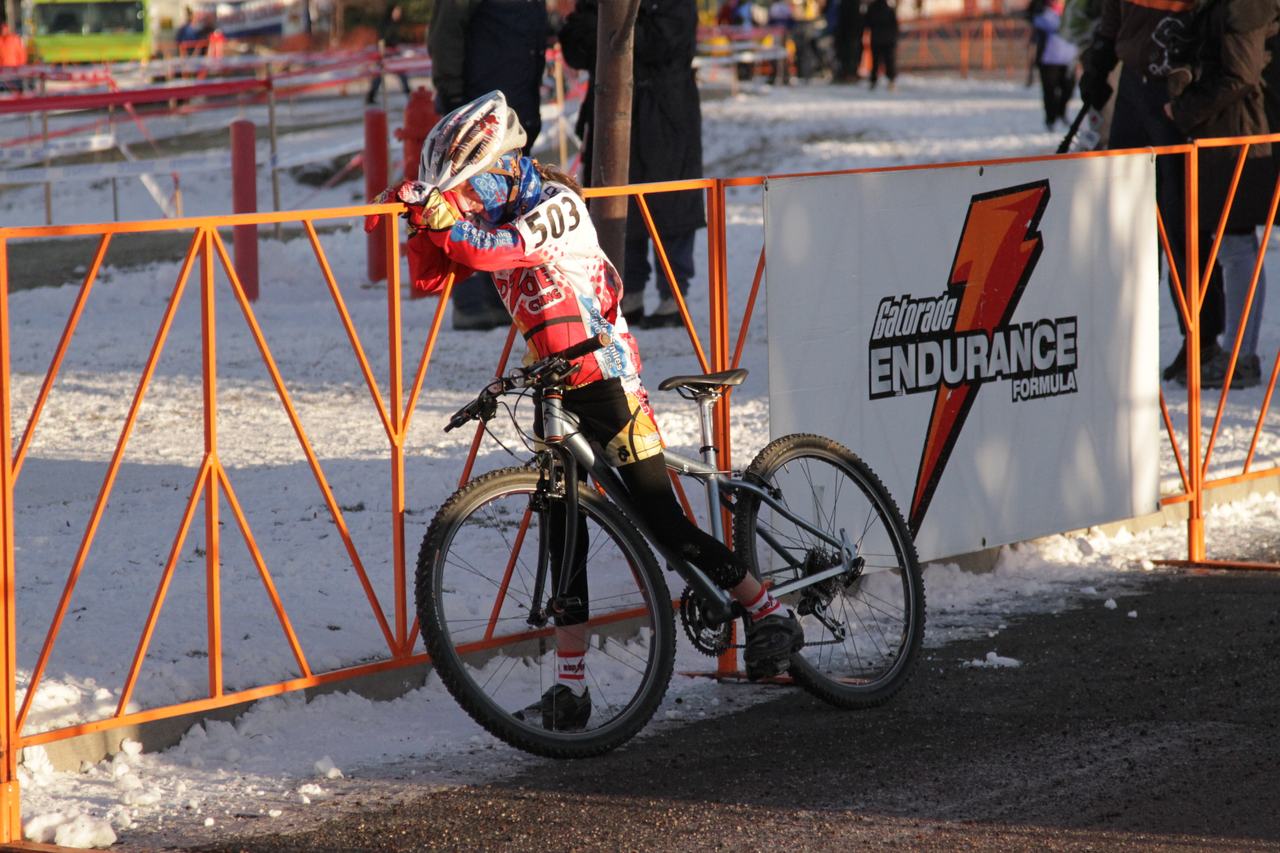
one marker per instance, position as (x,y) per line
(705,406)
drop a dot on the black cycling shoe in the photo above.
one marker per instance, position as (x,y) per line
(770,644)
(561,709)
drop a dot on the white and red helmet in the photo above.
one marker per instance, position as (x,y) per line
(469,140)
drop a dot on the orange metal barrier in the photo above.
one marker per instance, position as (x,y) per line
(1197,478)
(988,45)
(207,253)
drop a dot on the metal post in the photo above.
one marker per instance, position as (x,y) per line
(244,199)
(382,77)
(718,291)
(115,186)
(44,135)
(10,813)
(391,246)
(375,181)
(1191,281)
(209,369)
(275,159)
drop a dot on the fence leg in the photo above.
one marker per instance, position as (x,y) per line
(1191,281)
(10,811)
(275,156)
(375,181)
(44,139)
(244,199)
(718,290)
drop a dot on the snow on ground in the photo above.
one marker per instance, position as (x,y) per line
(286,755)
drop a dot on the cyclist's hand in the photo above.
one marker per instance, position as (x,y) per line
(437,214)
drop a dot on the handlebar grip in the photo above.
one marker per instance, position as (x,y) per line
(586,347)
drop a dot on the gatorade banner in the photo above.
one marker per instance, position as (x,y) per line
(985,337)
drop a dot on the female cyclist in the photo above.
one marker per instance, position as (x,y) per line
(479,205)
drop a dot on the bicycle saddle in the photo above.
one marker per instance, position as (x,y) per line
(703,381)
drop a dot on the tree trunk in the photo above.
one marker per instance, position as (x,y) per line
(612,127)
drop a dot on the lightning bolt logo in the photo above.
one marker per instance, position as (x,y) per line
(998,249)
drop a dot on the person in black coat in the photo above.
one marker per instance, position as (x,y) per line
(666,142)
(848,36)
(882,20)
(478,46)
(1226,98)
(390,36)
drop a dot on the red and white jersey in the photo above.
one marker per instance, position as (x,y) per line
(555,281)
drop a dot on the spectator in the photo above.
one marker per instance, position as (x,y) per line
(848,38)
(1150,42)
(666,142)
(1225,98)
(390,37)
(882,20)
(1057,63)
(1034,8)
(730,13)
(13,54)
(806,27)
(478,46)
(189,36)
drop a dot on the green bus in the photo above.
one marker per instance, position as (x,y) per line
(89,30)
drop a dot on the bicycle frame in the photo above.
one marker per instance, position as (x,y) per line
(575,453)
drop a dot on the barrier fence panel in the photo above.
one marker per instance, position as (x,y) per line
(215,484)
(998,45)
(1209,219)
(212,480)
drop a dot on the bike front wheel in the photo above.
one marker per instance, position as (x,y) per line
(863,628)
(477,583)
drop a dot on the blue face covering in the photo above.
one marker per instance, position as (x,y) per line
(511,188)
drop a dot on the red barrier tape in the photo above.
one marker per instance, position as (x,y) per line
(133,96)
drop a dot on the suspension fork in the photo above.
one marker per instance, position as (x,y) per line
(554,428)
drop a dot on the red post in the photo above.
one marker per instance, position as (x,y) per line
(244,199)
(375,181)
(419,117)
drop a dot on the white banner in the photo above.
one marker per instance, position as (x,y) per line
(985,337)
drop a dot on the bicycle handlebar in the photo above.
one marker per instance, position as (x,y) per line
(544,371)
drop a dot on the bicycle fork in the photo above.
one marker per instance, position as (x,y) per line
(549,493)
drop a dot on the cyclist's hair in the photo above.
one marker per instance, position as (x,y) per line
(556,175)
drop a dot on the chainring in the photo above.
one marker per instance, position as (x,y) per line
(707,637)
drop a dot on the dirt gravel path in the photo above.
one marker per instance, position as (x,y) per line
(1156,731)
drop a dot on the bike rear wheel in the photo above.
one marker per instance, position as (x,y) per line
(476,582)
(863,629)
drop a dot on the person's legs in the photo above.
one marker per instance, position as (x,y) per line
(623,425)
(891,64)
(679,249)
(404,82)
(1238,255)
(1068,85)
(635,273)
(1138,122)
(877,60)
(375,83)
(1049,92)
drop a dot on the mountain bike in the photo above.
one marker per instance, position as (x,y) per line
(810,519)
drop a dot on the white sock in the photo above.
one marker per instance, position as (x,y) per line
(571,671)
(764,605)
